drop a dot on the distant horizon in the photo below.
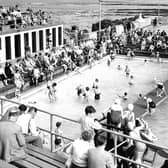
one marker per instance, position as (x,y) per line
(84,13)
(9,2)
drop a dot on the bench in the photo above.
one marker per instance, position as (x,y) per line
(38,152)
(4,164)
(40,158)
(33,162)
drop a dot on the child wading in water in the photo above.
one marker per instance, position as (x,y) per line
(131,80)
(97,93)
(95,83)
(52,91)
(80,90)
(86,93)
(124,96)
(127,70)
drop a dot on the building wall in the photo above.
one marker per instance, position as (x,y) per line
(3,47)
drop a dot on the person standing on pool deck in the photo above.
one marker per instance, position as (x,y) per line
(151,105)
(88,122)
(160,90)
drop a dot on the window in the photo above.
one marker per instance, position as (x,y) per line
(48,37)
(8,47)
(54,37)
(41,43)
(26,39)
(0,44)
(17,46)
(59,35)
(33,41)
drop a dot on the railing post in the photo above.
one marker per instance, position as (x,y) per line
(1,107)
(115,149)
(51,130)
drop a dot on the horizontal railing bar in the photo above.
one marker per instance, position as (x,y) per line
(139,140)
(62,147)
(43,111)
(132,161)
(53,133)
(117,146)
(157,147)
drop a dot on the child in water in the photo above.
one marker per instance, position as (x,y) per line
(127,70)
(131,80)
(86,93)
(79,90)
(119,67)
(97,93)
(52,91)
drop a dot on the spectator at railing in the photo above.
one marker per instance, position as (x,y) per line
(98,157)
(79,151)
(59,141)
(22,109)
(88,122)
(140,147)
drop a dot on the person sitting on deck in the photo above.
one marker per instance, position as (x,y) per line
(29,129)
(12,141)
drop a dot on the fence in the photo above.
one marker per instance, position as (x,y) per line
(155,148)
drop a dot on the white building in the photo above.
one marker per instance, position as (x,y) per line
(13,42)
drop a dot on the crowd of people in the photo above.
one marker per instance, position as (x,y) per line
(148,40)
(90,150)
(141,40)
(42,66)
(16,18)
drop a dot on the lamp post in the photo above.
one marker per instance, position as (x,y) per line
(100,3)
(158,12)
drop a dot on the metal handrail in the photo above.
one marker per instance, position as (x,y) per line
(135,139)
(116,134)
(43,111)
(103,129)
